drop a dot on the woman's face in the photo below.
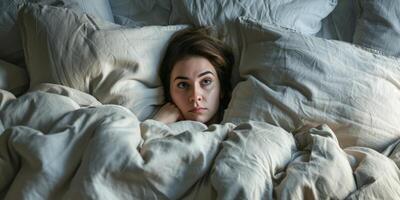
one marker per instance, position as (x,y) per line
(195,88)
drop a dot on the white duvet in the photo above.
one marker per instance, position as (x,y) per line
(59,143)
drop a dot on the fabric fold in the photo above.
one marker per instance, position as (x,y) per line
(321,169)
(252,155)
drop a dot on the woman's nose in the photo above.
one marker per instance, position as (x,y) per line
(196,95)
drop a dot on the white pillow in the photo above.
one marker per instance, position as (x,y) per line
(301,15)
(328,30)
(13,78)
(134,13)
(295,80)
(115,64)
(344,19)
(341,23)
(304,16)
(11,47)
(378,26)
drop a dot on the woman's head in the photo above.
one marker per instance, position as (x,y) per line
(195,74)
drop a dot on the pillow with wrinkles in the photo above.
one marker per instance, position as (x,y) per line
(136,13)
(378,26)
(116,65)
(11,47)
(341,23)
(295,81)
(344,19)
(13,78)
(303,16)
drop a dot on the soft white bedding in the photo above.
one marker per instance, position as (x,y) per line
(378,26)
(11,47)
(292,80)
(310,118)
(13,78)
(54,146)
(100,58)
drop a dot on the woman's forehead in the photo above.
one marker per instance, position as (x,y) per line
(192,67)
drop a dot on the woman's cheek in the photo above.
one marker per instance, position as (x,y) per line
(179,100)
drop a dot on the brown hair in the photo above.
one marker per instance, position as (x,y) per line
(198,42)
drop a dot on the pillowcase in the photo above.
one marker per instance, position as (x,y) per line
(293,80)
(344,19)
(114,64)
(341,23)
(13,78)
(378,26)
(135,13)
(11,47)
(328,30)
(304,16)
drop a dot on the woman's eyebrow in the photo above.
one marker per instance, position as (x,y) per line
(181,77)
(204,73)
(200,75)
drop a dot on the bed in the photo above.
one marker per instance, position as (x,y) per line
(314,113)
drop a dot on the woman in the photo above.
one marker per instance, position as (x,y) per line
(195,73)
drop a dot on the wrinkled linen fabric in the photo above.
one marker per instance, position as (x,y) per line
(325,171)
(393,152)
(378,26)
(314,173)
(52,148)
(292,80)
(251,160)
(136,13)
(55,144)
(79,97)
(13,78)
(11,45)
(341,23)
(304,16)
(260,161)
(380,183)
(117,65)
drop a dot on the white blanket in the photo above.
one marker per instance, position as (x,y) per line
(56,142)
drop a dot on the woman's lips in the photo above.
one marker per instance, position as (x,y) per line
(198,110)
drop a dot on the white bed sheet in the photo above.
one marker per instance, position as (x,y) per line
(54,146)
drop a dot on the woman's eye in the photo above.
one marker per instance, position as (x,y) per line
(182,85)
(206,82)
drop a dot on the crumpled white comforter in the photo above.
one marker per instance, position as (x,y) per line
(59,143)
